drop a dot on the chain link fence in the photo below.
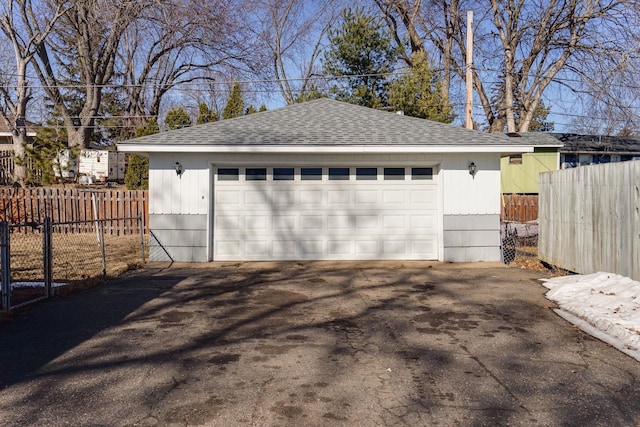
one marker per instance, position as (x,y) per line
(39,258)
(520,244)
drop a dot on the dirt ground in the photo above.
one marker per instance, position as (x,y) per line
(314,344)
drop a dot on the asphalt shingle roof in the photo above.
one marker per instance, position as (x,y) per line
(325,122)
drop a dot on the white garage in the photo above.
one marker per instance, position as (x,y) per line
(288,213)
(324,180)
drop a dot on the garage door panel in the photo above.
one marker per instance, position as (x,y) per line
(228,222)
(425,197)
(312,222)
(311,247)
(339,197)
(366,222)
(355,219)
(367,197)
(256,222)
(394,247)
(228,197)
(256,197)
(338,222)
(284,222)
(257,247)
(284,197)
(284,247)
(394,196)
(394,222)
(339,247)
(366,248)
(228,248)
(311,197)
(423,222)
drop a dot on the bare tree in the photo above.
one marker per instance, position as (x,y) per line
(26,30)
(173,44)
(523,46)
(78,60)
(292,32)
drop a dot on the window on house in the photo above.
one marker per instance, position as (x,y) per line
(394,174)
(421,173)
(256,174)
(366,174)
(283,174)
(311,174)
(515,159)
(228,174)
(339,174)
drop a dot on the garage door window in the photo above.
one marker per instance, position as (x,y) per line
(394,174)
(228,174)
(366,174)
(339,174)
(283,174)
(256,174)
(311,174)
(421,173)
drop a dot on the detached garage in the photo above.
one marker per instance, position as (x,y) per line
(324,180)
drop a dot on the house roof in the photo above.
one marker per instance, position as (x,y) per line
(538,139)
(602,144)
(31,129)
(328,125)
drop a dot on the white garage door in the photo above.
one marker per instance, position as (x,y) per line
(335,213)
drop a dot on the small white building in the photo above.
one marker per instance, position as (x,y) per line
(325,180)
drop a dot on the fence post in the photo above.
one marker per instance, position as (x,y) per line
(141,231)
(47,253)
(5,256)
(104,254)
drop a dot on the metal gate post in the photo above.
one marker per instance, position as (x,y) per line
(141,231)
(104,255)
(5,258)
(47,254)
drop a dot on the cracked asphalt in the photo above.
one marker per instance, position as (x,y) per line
(314,344)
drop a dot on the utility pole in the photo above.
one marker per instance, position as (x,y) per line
(468,107)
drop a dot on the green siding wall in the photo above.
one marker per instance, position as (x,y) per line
(523,178)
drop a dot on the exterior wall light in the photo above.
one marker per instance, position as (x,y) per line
(473,169)
(178,168)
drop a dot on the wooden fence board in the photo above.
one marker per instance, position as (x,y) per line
(62,205)
(519,207)
(590,218)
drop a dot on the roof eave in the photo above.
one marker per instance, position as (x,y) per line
(179,148)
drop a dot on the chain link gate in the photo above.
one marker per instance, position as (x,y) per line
(33,255)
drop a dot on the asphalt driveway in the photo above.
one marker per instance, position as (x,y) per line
(314,344)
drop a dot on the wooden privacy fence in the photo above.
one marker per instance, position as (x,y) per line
(63,205)
(519,208)
(590,219)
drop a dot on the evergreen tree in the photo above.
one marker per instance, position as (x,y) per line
(262,108)
(177,119)
(418,93)
(539,122)
(137,176)
(206,114)
(235,103)
(309,95)
(251,110)
(43,155)
(361,50)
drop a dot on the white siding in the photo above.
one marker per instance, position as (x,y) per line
(467,195)
(172,194)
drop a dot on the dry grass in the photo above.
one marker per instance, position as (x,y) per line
(76,256)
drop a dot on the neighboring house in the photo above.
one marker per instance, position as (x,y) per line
(553,151)
(6,138)
(581,150)
(324,180)
(520,170)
